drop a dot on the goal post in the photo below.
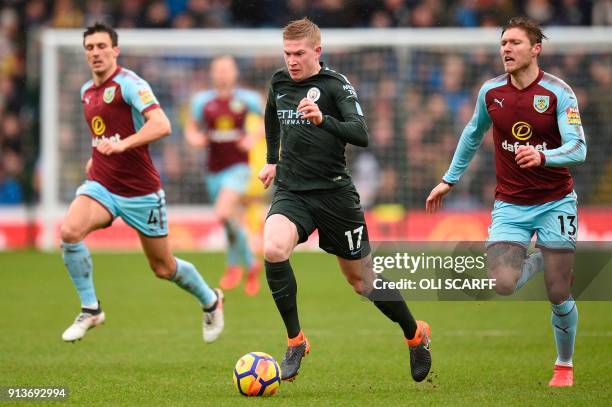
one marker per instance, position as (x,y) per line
(417,87)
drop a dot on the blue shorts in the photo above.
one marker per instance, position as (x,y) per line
(235,178)
(556,223)
(146,213)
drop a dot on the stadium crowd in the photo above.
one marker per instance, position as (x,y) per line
(410,139)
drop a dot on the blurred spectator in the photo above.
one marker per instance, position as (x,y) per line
(10,133)
(297,9)
(452,83)
(398,12)
(465,13)
(66,14)
(10,95)
(35,14)
(494,13)
(416,100)
(541,10)
(330,13)
(389,186)
(97,11)
(597,122)
(428,13)
(381,19)
(571,12)
(184,20)
(209,13)
(602,12)
(176,7)
(9,23)
(366,175)
(10,188)
(157,15)
(129,14)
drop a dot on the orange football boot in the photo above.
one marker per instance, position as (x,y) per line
(563,376)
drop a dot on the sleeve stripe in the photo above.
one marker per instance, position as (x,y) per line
(152,107)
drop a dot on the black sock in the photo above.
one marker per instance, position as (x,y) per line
(391,303)
(92,311)
(230,230)
(212,307)
(284,290)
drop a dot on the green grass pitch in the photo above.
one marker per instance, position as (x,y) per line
(150,350)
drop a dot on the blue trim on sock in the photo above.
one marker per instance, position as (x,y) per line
(564,320)
(561,310)
(80,268)
(243,247)
(187,277)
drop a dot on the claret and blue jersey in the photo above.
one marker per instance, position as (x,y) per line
(543,115)
(115,110)
(224,121)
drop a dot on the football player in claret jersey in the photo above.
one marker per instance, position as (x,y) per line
(218,120)
(124,116)
(537,134)
(312,113)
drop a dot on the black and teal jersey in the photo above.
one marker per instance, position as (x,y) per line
(311,157)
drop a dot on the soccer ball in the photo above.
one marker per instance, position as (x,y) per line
(257,374)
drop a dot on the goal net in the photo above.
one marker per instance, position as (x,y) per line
(417,89)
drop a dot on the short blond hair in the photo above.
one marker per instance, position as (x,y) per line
(303,28)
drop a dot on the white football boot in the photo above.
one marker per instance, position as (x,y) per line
(82,323)
(213,320)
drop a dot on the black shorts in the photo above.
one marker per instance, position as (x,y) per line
(336,213)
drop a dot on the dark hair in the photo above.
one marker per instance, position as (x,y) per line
(102,28)
(529,25)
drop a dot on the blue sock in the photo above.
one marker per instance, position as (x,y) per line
(242,242)
(78,262)
(564,322)
(188,278)
(233,249)
(233,254)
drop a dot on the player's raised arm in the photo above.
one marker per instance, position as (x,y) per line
(352,129)
(156,127)
(573,148)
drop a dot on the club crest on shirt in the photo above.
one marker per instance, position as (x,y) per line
(313,94)
(236,106)
(109,94)
(541,103)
